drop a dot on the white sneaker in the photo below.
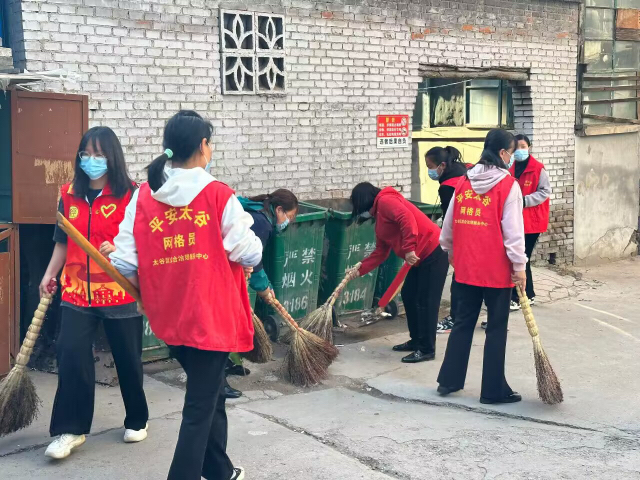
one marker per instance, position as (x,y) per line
(134,436)
(238,474)
(532,301)
(62,446)
(515,306)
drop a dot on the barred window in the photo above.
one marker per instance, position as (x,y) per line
(252,48)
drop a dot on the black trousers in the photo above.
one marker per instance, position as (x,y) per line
(202,442)
(456,359)
(74,401)
(421,295)
(530,240)
(454,297)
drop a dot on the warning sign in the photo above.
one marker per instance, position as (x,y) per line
(393,131)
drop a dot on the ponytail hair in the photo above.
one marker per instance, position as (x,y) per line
(496,141)
(446,155)
(183,135)
(280,198)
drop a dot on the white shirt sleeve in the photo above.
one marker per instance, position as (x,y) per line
(513,229)
(446,235)
(125,258)
(240,243)
(542,193)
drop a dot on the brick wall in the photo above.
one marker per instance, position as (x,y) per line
(140,61)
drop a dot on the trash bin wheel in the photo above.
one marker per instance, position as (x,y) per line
(272,327)
(391,308)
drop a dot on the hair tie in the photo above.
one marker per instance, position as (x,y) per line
(168,152)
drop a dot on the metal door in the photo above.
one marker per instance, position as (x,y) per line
(6,304)
(46,129)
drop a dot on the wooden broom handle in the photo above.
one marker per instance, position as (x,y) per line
(347,278)
(528,313)
(34,330)
(273,301)
(97,257)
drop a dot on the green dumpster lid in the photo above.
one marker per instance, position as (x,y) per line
(308,212)
(337,207)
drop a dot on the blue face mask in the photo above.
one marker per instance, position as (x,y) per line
(521,154)
(95,168)
(433,173)
(281,227)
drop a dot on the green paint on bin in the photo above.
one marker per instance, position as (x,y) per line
(152,347)
(346,244)
(292,261)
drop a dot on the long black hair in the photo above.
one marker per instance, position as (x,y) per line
(109,145)
(362,197)
(496,141)
(280,198)
(447,155)
(183,135)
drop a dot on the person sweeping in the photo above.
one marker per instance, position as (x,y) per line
(272,213)
(95,203)
(446,166)
(187,243)
(536,190)
(403,228)
(483,234)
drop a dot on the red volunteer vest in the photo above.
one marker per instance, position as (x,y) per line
(451,182)
(84,283)
(536,219)
(479,255)
(192,294)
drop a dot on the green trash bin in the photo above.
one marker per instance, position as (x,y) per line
(152,347)
(292,261)
(346,244)
(390,268)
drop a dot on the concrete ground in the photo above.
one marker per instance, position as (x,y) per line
(375,418)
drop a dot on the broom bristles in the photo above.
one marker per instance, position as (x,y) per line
(549,389)
(262,350)
(308,359)
(19,401)
(320,322)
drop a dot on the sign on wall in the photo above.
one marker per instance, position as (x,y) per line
(393,131)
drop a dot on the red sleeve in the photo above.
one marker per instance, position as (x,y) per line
(395,210)
(377,257)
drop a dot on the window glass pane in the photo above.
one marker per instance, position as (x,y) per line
(447,102)
(626,4)
(626,55)
(599,108)
(600,3)
(625,109)
(483,107)
(598,55)
(598,24)
(484,83)
(507,106)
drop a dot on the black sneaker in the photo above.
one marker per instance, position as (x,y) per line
(418,356)
(404,347)
(515,397)
(445,326)
(483,325)
(238,474)
(514,307)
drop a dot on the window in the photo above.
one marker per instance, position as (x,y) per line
(447,102)
(252,46)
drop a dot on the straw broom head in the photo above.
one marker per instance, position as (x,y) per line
(549,389)
(19,401)
(308,357)
(262,349)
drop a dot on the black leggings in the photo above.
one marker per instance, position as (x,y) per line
(456,359)
(73,404)
(421,295)
(530,240)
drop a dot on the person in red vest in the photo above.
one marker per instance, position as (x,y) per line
(403,228)
(483,234)
(536,190)
(94,203)
(187,242)
(446,166)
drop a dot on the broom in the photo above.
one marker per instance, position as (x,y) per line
(308,357)
(262,349)
(19,400)
(320,321)
(549,389)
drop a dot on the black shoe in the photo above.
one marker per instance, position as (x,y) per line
(418,356)
(515,397)
(236,370)
(404,347)
(444,391)
(230,392)
(238,474)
